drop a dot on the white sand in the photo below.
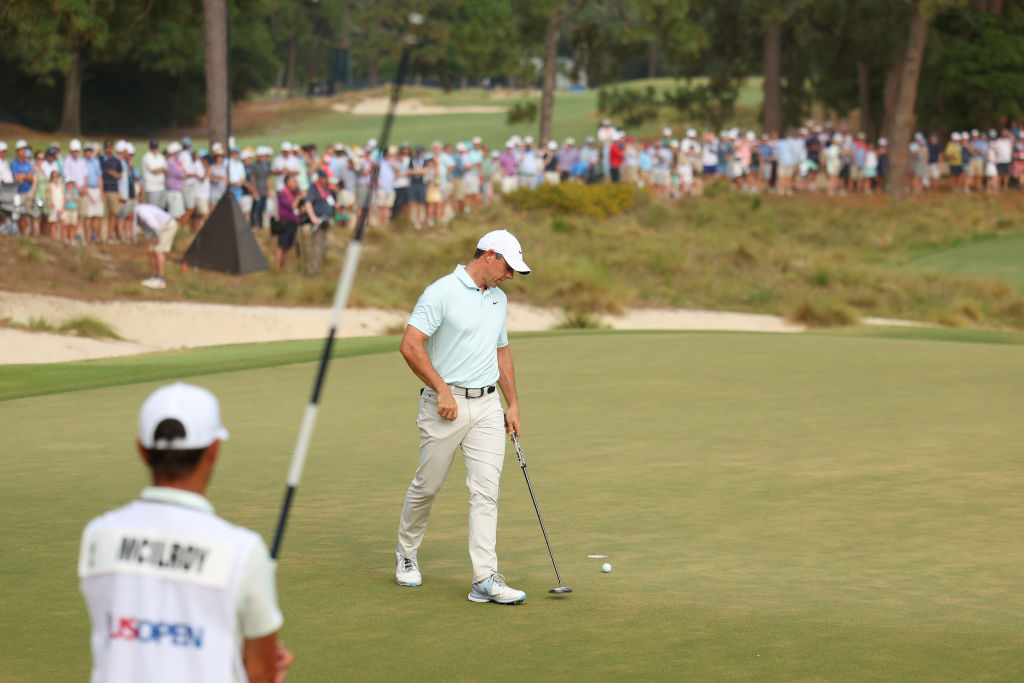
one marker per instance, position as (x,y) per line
(158,326)
(378,106)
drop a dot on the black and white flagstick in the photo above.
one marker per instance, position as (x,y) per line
(345,280)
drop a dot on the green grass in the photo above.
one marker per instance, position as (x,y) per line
(997,257)
(824,506)
(18,381)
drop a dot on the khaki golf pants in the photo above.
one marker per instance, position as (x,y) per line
(480,430)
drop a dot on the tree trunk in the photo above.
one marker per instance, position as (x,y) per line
(773,77)
(374,70)
(864,96)
(463,82)
(417,80)
(215,36)
(652,59)
(547,95)
(890,90)
(903,113)
(313,73)
(346,43)
(291,65)
(71,117)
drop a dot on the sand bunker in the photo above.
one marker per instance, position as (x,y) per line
(159,326)
(378,106)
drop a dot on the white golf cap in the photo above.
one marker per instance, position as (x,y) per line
(19,144)
(505,243)
(130,148)
(3,146)
(120,146)
(174,147)
(194,407)
(76,145)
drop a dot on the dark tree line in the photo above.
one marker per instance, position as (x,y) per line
(135,65)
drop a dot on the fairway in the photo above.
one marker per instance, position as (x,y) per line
(998,257)
(777,507)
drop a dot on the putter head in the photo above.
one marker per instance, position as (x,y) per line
(561,590)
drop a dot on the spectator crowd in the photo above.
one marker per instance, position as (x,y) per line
(90,194)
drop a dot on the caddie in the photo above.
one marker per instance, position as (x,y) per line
(456,343)
(175,593)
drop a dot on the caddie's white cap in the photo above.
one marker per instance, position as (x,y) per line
(194,407)
(505,243)
(76,145)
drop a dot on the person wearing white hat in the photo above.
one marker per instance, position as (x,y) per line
(530,165)
(954,161)
(173,591)
(154,174)
(5,168)
(174,193)
(129,186)
(456,343)
(261,185)
(190,185)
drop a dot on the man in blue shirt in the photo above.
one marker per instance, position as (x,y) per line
(21,170)
(112,170)
(457,344)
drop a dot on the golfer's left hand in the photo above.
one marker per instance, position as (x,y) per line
(512,421)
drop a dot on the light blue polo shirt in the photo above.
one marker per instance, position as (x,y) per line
(465,328)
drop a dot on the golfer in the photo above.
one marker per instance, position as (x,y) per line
(160,228)
(457,344)
(174,592)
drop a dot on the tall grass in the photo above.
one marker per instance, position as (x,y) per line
(825,261)
(89,326)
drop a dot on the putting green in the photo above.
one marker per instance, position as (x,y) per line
(775,507)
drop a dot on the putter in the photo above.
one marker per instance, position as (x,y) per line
(561,590)
(345,281)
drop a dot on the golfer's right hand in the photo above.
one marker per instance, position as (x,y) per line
(446,405)
(284,660)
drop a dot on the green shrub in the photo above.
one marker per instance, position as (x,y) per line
(823,314)
(579,320)
(600,200)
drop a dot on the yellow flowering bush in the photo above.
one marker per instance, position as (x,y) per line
(599,200)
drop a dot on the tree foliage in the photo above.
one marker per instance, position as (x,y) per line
(141,62)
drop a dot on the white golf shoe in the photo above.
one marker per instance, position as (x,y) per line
(407,572)
(493,589)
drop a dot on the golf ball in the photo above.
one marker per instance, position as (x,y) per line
(606,567)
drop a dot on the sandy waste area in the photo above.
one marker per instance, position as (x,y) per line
(148,326)
(378,106)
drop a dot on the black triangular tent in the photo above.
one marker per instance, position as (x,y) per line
(225,242)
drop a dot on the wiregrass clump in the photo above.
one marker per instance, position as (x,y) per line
(89,326)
